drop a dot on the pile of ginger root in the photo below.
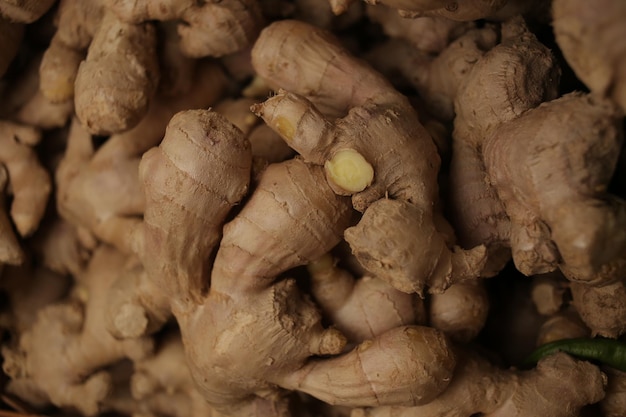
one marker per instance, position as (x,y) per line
(285,208)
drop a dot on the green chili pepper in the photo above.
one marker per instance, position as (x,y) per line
(606,351)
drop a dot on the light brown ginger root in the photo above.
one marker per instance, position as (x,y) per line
(25,11)
(565,324)
(553,187)
(461,311)
(590,35)
(29,182)
(59,359)
(161,385)
(24,103)
(427,34)
(438,78)
(98,188)
(560,386)
(113,84)
(266,145)
(349,303)
(242,285)
(494,91)
(206,28)
(196,142)
(58,247)
(548,292)
(356,162)
(602,308)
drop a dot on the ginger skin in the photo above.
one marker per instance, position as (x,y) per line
(107,101)
(25,11)
(243,280)
(590,37)
(584,222)
(481,388)
(109,214)
(209,28)
(29,182)
(346,301)
(404,167)
(461,311)
(59,358)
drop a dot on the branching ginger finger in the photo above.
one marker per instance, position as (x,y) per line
(30,182)
(347,302)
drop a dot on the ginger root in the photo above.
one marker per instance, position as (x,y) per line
(590,37)
(403,167)
(347,302)
(28,182)
(481,388)
(59,359)
(110,213)
(206,28)
(107,101)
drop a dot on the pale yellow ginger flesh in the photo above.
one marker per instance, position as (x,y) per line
(348,170)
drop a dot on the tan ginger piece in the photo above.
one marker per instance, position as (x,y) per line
(415,237)
(161,385)
(266,145)
(590,36)
(493,92)
(112,169)
(29,182)
(357,163)
(461,311)
(206,29)
(427,34)
(601,308)
(548,292)
(480,388)
(24,103)
(139,303)
(325,15)
(25,11)
(195,143)
(108,67)
(243,287)
(436,78)
(57,245)
(60,358)
(349,303)
(553,187)
(565,324)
